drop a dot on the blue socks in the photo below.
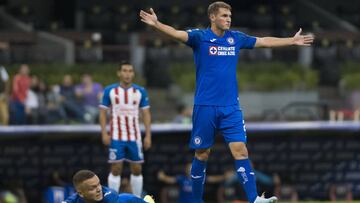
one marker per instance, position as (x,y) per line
(247,178)
(245,174)
(198,175)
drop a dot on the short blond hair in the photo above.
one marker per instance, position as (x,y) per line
(214,7)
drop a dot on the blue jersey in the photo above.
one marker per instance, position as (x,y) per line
(185,194)
(109,196)
(54,194)
(215,60)
(129,198)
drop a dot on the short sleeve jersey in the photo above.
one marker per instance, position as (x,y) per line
(124,104)
(215,60)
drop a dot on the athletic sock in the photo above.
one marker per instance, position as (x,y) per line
(247,178)
(136,184)
(114,182)
(198,174)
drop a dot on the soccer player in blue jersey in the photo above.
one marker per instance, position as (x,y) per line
(184,183)
(89,190)
(125,101)
(216,108)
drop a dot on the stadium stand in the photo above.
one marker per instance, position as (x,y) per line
(313,156)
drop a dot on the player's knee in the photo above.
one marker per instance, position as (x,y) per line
(116,172)
(239,150)
(202,154)
(116,169)
(240,155)
(136,172)
(136,169)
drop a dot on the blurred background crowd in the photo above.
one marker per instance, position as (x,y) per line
(81,42)
(33,101)
(321,81)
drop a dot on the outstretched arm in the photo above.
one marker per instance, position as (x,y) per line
(152,20)
(165,178)
(298,40)
(215,178)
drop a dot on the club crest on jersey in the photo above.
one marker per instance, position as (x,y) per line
(230,40)
(197,140)
(213,50)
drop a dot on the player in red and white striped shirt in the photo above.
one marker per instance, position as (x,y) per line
(124,100)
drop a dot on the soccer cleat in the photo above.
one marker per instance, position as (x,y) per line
(262,199)
(149,199)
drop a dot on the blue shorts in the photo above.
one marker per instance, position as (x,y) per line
(208,120)
(125,151)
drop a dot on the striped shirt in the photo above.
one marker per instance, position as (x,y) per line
(124,104)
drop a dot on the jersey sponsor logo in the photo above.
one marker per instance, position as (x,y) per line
(126,110)
(197,140)
(221,51)
(230,40)
(212,50)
